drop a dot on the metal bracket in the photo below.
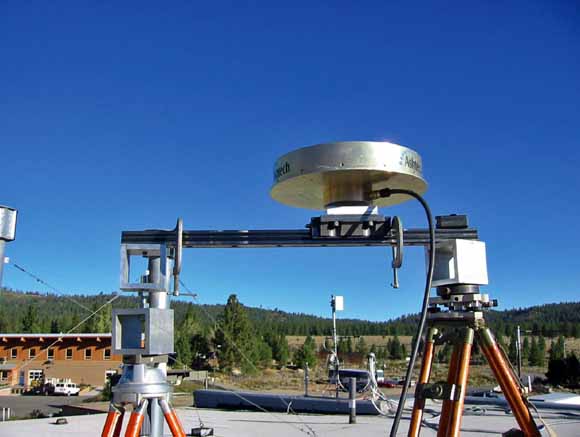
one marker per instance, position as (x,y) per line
(142,331)
(438,390)
(178,252)
(148,251)
(397,249)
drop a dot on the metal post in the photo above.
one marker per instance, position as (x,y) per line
(519,351)
(156,418)
(306,378)
(352,401)
(335,345)
(157,272)
(157,299)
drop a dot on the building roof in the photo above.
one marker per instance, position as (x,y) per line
(52,335)
(494,421)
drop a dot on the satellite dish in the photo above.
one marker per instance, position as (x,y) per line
(344,173)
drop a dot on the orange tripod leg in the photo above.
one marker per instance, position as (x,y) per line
(114,419)
(119,426)
(172,419)
(445,417)
(136,420)
(461,384)
(419,404)
(507,382)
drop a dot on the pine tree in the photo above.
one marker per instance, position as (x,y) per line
(236,336)
(542,351)
(525,349)
(557,350)
(306,354)
(395,351)
(186,331)
(54,327)
(279,347)
(31,321)
(513,349)
(96,323)
(263,353)
(534,358)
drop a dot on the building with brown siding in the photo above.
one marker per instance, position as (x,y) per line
(83,358)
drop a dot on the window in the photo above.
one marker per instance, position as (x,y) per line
(4,375)
(32,352)
(51,353)
(107,354)
(34,375)
(88,354)
(69,353)
(13,353)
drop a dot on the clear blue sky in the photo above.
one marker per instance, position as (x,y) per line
(120,117)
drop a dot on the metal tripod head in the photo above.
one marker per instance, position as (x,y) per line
(460,269)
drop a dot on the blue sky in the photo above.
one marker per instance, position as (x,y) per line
(124,117)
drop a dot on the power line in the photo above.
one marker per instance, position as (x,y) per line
(46,284)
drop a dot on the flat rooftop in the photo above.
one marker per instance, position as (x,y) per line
(477,421)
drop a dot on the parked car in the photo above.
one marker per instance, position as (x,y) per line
(66,389)
(387,383)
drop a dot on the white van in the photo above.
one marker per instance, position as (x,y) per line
(66,389)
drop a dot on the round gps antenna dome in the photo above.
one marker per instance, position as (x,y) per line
(345,173)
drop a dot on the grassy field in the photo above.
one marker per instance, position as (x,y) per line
(295,341)
(291,381)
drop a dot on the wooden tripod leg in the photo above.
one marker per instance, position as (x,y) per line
(419,404)
(114,418)
(507,382)
(172,419)
(445,417)
(461,384)
(136,420)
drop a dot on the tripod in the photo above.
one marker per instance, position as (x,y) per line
(144,336)
(459,326)
(114,422)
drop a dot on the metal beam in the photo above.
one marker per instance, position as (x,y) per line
(285,238)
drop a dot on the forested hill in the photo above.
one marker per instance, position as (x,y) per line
(37,312)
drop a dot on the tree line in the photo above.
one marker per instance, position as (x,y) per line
(54,313)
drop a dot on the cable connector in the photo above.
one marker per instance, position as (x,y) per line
(385,192)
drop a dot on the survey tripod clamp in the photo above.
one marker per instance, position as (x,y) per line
(456,317)
(144,336)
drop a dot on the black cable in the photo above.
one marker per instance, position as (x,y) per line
(386,193)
